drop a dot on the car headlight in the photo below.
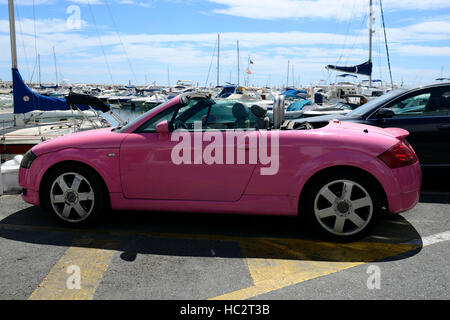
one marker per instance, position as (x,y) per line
(28,159)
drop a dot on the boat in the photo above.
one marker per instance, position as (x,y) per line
(370,88)
(22,134)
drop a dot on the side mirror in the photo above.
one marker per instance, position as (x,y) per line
(163,129)
(385,113)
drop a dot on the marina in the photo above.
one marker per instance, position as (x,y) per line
(224,150)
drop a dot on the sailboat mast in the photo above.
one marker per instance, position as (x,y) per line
(12,33)
(287,77)
(370,38)
(238,70)
(218,57)
(293,77)
(56,69)
(39,68)
(18,120)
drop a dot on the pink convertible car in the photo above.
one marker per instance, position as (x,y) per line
(197,154)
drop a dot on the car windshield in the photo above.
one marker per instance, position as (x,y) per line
(367,107)
(131,123)
(341,106)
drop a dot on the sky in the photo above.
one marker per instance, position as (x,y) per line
(161,41)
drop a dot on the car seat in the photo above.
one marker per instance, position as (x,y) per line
(241,113)
(262,121)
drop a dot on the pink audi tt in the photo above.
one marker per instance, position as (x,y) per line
(197,154)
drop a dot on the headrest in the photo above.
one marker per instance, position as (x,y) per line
(211,119)
(258,111)
(240,111)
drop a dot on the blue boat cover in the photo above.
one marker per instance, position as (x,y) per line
(364,68)
(50,87)
(227,91)
(25,100)
(298,105)
(293,93)
(344,75)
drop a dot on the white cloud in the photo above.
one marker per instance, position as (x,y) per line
(324,9)
(29,2)
(422,51)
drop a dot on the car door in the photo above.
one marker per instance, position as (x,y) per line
(151,168)
(426,115)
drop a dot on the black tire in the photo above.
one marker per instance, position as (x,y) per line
(91,196)
(342,219)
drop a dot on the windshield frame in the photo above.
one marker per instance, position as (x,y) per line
(146,116)
(371,106)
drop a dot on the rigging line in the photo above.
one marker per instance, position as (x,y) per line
(347,32)
(36,51)
(386,42)
(353,45)
(23,45)
(378,44)
(363,22)
(121,42)
(101,44)
(210,65)
(35,34)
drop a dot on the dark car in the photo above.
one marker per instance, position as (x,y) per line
(424,111)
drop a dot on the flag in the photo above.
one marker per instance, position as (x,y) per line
(248,71)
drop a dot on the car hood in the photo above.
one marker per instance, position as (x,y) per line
(104,138)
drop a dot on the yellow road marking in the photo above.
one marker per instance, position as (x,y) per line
(273,263)
(92,256)
(296,261)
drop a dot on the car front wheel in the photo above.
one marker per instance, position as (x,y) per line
(75,196)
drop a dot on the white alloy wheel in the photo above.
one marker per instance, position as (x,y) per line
(72,197)
(343,207)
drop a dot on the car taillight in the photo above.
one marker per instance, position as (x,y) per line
(400,155)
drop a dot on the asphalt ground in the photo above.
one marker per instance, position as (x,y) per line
(173,256)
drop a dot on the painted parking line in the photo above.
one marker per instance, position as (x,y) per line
(290,261)
(308,260)
(91,257)
(433,239)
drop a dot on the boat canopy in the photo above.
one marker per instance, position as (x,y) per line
(364,68)
(25,100)
(86,99)
(48,87)
(344,75)
(227,91)
(298,105)
(293,93)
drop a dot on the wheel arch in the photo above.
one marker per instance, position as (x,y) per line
(61,164)
(342,169)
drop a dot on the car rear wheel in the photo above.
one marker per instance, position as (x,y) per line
(75,196)
(343,206)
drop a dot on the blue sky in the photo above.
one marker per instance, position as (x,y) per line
(142,41)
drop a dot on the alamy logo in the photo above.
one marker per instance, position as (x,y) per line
(234,147)
(374,279)
(74,20)
(74,280)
